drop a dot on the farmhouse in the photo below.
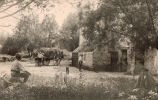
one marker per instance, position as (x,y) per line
(120,57)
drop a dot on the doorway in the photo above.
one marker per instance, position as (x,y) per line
(114,61)
(124,62)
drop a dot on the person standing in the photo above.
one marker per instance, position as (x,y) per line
(67,70)
(80,62)
(41,58)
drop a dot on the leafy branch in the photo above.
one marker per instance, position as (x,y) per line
(17,10)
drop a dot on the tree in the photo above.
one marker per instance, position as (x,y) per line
(5,5)
(69,32)
(140,14)
(30,34)
(39,34)
(14,45)
(30,28)
(50,29)
(2,39)
(99,24)
(134,19)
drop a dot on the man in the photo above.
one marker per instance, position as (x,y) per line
(18,72)
(80,62)
(61,56)
(67,70)
(41,58)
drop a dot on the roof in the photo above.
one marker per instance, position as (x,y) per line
(124,42)
(84,48)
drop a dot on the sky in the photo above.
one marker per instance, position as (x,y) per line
(60,11)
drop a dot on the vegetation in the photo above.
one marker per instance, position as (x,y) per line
(5,5)
(133,19)
(31,34)
(70,32)
(63,87)
(13,45)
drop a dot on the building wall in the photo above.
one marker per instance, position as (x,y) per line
(131,61)
(81,37)
(87,59)
(101,58)
(151,60)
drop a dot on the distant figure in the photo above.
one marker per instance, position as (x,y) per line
(41,58)
(55,57)
(80,62)
(67,70)
(60,56)
(40,54)
(18,72)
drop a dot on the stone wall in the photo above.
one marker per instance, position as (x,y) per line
(87,59)
(101,58)
(131,61)
(151,60)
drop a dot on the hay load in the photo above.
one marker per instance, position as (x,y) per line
(48,54)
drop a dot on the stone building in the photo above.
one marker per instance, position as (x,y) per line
(103,57)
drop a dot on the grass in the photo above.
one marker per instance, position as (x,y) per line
(51,83)
(63,87)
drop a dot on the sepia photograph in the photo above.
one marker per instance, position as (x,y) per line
(78,49)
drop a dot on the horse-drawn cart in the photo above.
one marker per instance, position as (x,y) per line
(48,54)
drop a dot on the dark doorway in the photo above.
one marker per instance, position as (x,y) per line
(124,63)
(74,59)
(114,60)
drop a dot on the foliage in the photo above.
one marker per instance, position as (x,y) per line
(134,19)
(70,33)
(2,39)
(13,45)
(29,27)
(141,14)
(37,32)
(49,29)
(30,34)
(98,24)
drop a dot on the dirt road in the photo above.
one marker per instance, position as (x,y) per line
(50,71)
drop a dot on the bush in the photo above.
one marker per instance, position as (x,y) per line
(14,45)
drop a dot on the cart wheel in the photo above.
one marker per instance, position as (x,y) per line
(46,62)
(37,62)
